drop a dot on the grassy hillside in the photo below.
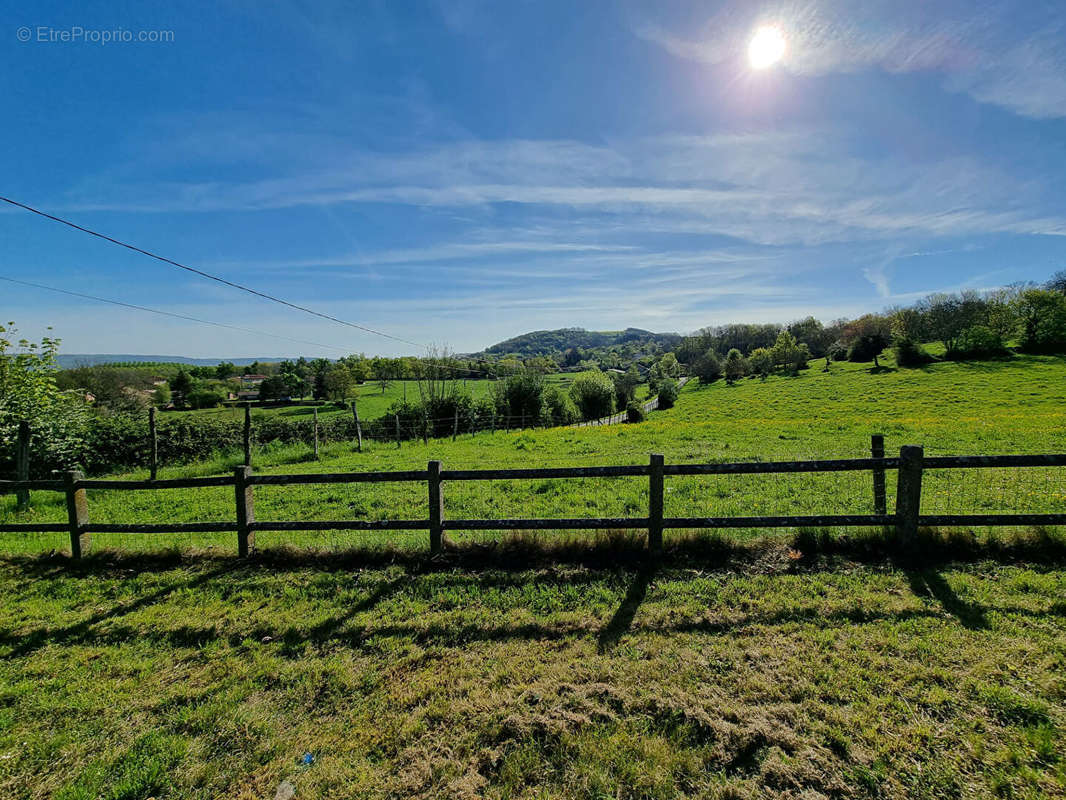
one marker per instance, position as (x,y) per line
(791,666)
(1003,407)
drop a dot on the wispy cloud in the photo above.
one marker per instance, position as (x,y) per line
(1008,54)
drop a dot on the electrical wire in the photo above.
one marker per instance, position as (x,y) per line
(166,313)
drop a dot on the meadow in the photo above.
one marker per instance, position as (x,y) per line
(373,402)
(793,664)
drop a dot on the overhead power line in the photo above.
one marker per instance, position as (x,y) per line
(218,279)
(167,313)
(207,275)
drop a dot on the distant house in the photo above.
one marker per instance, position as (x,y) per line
(249,382)
(248,394)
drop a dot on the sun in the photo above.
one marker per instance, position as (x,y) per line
(766,48)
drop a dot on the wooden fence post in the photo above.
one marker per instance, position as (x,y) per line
(655,504)
(153,466)
(455,424)
(877,450)
(77,511)
(245,510)
(316,433)
(909,493)
(22,466)
(436,509)
(397,418)
(358,428)
(248,434)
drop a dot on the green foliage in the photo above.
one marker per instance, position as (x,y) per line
(761,362)
(180,388)
(634,412)
(559,408)
(668,392)
(522,394)
(909,353)
(29,391)
(625,386)
(707,368)
(736,366)
(977,342)
(593,394)
(790,355)
(1041,316)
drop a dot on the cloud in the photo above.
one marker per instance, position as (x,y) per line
(789,187)
(1007,54)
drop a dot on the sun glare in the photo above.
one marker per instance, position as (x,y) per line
(766,48)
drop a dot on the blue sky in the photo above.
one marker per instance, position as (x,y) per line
(460,172)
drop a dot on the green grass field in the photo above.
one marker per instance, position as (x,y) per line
(799,664)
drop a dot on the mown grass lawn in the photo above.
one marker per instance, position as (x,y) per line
(752,672)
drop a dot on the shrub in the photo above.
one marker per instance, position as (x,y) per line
(668,392)
(761,362)
(559,409)
(593,394)
(838,351)
(977,341)
(736,366)
(868,347)
(634,411)
(707,367)
(909,353)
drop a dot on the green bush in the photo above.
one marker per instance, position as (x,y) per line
(634,411)
(558,408)
(977,342)
(1041,321)
(668,392)
(593,394)
(909,353)
(707,367)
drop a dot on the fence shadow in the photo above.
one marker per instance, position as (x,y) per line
(522,551)
(930,583)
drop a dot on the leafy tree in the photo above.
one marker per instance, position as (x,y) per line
(225,370)
(634,412)
(908,352)
(29,391)
(161,396)
(761,362)
(707,368)
(736,366)
(559,409)
(593,394)
(572,357)
(625,386)
(978,341)
(523,394)
(1057,282)
(869,335)
(668,366)
(668,392)
(1041,321)
(340,382)
(789,354)
(180,388)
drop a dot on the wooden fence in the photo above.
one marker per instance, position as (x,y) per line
(906,520)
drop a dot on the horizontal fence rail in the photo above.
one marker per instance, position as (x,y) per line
(906,519)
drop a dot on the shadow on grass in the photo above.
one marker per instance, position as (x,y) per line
(519,551)
(622,620)
(930,583)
